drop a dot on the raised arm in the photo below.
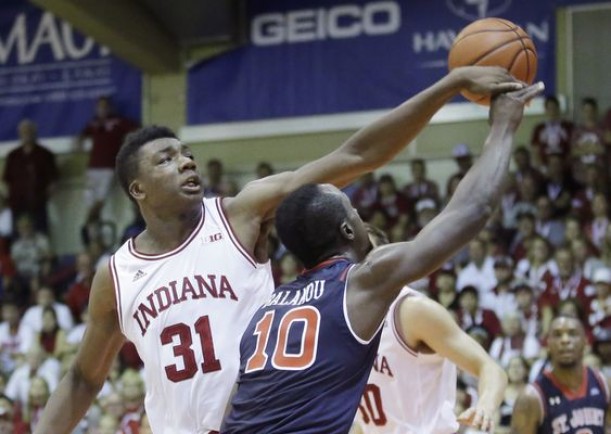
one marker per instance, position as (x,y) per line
(376,282)
(424,321)
(100,345)
(526,413)
(374,145)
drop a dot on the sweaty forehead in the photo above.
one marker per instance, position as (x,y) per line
(565,323)
(161,144)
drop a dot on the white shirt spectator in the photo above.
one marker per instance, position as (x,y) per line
(75,336)
(33,317)
(27,253)
(13,344)
(482,278)
(18,385)
(501,304)
(501,349)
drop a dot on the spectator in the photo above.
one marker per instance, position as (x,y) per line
(600,307)
(132,393)
(6,219)
(517,375)
(501,299)
(106,130)
(553,136)
(216,182)
(38,395)
(445,283)
(31,252)
(264,169)
(559,186)
(51,338)
(514,341)
(602,347)
(588,140)
(471,314)
(596,228)
(37,364)
(595,182)
(426,210)
(605,250)
(479,272)
(365,196)
(30,174)
(536,264)
(45,297)
(77,296)
(98,229)
(108,424)
(527,231)
(585,259)
(15,337)
(392,203)
(524,202)
(524,167)
(549,227)
(464,160)
(527,308)
(420,187)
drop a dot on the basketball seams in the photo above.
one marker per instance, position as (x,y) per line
(521,41)
(498,47)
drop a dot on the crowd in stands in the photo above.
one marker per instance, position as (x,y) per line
(545,250)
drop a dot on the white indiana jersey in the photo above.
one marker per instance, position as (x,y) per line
(185,311)
(407,392)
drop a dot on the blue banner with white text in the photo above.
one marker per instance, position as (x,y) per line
(312,57)
(52,74)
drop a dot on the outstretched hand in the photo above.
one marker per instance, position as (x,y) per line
(509,107)
(487,80)
(478,418)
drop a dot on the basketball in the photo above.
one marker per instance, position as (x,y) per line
(494,42)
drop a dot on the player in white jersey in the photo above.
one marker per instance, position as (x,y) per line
(186,309)
(412,386)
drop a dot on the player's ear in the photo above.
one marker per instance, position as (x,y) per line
(347,230)
(136,191)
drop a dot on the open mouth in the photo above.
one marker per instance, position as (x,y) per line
(192,183)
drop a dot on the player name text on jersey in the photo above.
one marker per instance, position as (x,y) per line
(314,290)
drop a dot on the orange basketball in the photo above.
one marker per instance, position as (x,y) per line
(494,42)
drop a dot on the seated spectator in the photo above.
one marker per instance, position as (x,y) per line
(426,210)
(38,395)
(527,308)
(75,335)
(37,364)
(31,251)
(420,187)
(132,393)
(392,203)
(588,140)
(464,160)
(552,136)
(45,297)
(549,227)
(600,307)
(585,258)
(568,283)
(77,296)
(524,168)
(501,299)
(445,288)
(596,228)
(51,338)
(517,376)
(536,264)
(526,233)
(559,186)
(471,314)
(595,182)
(573,230)
(479,272)
(602,347)
(96,228)
(524,202)
(513,341)
(15,337)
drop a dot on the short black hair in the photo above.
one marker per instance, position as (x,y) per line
(552,99)
(126,163)
(308,221)
(469,289)
(590,101)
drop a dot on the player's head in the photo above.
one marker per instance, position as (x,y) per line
(566,342)
(153,160)
(316,222)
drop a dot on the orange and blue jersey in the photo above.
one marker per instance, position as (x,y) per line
(303,369)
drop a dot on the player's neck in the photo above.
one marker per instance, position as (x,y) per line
(571,378)
(165,234)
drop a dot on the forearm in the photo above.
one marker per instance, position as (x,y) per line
(382,140)
(67,405)
(492,382)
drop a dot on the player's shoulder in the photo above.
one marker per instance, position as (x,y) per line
(103,287)
(412,302)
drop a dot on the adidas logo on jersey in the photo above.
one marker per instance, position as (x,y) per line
(138,275)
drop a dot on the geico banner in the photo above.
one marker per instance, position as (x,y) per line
(52,74)
(308,57)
